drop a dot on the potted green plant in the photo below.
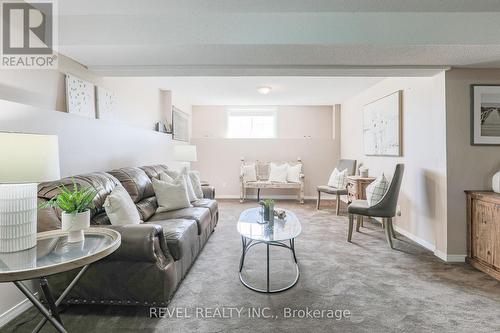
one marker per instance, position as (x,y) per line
(268,210)
(75,205)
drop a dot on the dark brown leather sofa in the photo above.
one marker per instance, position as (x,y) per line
(153,257)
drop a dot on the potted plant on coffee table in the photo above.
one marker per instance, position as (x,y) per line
(75,205)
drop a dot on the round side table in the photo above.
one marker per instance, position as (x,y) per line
(51,255)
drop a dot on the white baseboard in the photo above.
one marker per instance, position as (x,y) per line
(276,197)
(416,239)
(450,257)
(15,311)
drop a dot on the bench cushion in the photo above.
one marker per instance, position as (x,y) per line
(268,184)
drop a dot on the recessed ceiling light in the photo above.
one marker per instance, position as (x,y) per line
(264,90)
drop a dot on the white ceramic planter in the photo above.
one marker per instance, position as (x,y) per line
(495,182)
(75,224)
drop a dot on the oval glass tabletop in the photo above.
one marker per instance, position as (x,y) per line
(53,254)
(250,226)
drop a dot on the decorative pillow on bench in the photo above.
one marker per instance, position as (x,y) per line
(249,173)
(278,173)
(293,173)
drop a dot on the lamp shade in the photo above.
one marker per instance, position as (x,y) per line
(185,153)
(28,158)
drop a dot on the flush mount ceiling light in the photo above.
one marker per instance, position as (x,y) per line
(264,90)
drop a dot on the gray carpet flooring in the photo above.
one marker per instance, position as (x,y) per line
(365,286)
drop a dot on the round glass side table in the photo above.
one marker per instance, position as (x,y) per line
(51,255)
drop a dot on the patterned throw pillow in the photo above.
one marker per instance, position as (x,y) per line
(338,179)
(376,190)
(249,173)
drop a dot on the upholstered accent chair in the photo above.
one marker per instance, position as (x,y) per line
(350,165)
(385,208)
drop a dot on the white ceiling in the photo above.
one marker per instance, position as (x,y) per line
(279,37)
(243,90)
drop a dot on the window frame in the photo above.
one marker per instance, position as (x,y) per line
(235,111)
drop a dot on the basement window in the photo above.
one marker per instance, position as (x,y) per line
(251,122)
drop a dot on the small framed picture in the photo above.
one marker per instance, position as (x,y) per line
(485,114)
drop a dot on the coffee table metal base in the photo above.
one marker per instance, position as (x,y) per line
(248,243)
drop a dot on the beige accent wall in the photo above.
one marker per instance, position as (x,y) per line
(302,131)
(423,193)
(469,167)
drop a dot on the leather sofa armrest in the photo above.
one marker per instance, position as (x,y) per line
(140,242)
(208,192)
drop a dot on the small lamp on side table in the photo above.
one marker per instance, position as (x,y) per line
(25,160)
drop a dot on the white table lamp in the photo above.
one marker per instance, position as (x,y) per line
(25,160)
(185,153)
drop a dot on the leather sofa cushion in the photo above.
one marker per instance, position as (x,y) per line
(102,182)
(135,181)
(100,219)
(201,215)
(207,203)
(147,207)
(181,236)
(47,218)
(153,171)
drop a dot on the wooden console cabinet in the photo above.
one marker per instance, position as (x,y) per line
(483,231)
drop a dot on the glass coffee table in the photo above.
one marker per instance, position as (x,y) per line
(280,233)
(51,255)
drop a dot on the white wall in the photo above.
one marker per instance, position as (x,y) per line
(140,102)
(469,167)
(423,192)
(303,131)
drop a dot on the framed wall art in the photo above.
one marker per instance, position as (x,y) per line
(382,126)
(106,104)
(80,96)
(485,115)
(180,125)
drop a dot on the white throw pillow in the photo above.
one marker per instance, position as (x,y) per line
(249,173)
(194,176)
(293,173)
(120,208)
(338,179)
(376,190)
(171,195)
(189,184)
(184,176)
(172,174)
(278,173)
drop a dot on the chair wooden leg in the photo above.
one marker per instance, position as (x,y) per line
(318,200)
(351,223)
(388,232)
(392,228)
(358,222)
(362,221)
(338,204)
